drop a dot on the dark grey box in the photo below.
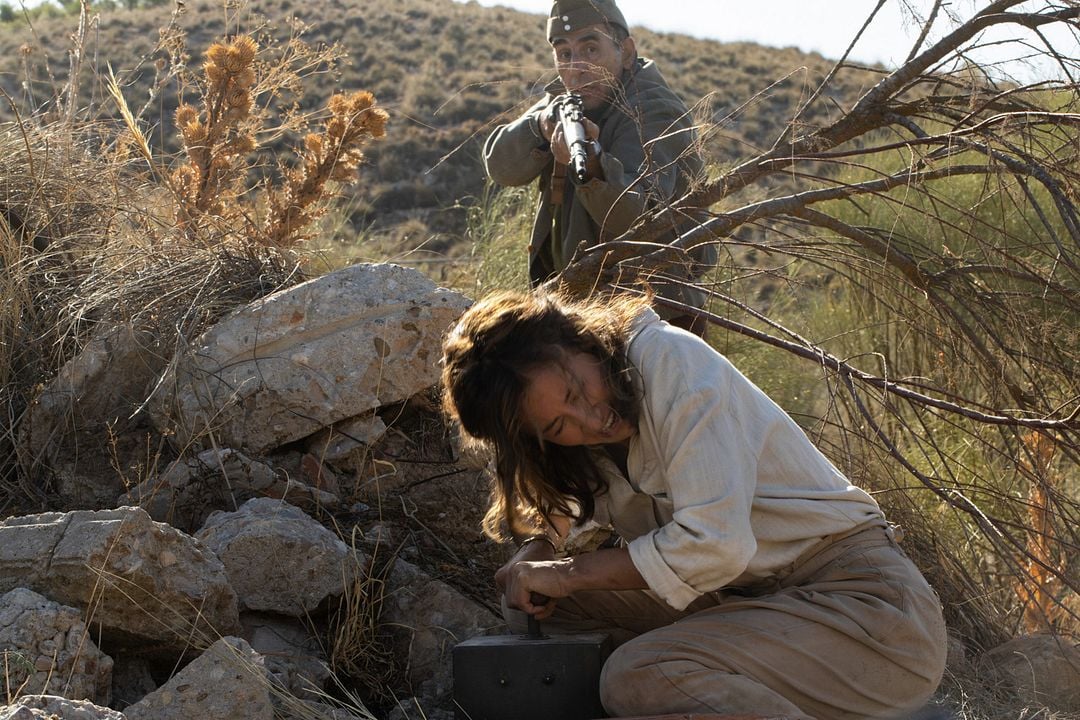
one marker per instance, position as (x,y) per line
(521,677)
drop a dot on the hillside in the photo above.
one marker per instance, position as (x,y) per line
(903,284)
(447,72)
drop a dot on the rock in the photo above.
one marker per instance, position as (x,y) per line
(292,657)
(277,558)
(318,475)
(336,443)
(415,709)
(135,579)
(956,659)
(51,707)
(97,393)
(308,709)
(47,650)
(306,357)
(132,680)
(428,618)
(191,489)
(226,682)
(1042,669)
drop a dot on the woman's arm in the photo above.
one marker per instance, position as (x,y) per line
(608,569)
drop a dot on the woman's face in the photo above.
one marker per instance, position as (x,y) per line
(570,404)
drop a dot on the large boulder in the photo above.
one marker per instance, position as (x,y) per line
(226,682)
(277,558)
(52,707)
(48,651)
(301,359)
(135,579)
(1043,670)
(97,394)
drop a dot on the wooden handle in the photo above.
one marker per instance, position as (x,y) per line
(534,624)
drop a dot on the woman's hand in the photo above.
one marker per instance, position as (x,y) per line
(507,579)
(532,551)
(533,586)
(534,570)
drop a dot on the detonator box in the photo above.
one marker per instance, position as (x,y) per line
(530,677)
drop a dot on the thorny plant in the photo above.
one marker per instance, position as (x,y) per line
(334,155)
(218,138)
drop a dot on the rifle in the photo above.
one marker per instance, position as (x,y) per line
(571,115)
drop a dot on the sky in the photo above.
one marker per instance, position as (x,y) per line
(824,26)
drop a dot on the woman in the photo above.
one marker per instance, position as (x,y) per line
(751,576)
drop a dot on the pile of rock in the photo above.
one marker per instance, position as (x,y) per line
(205,590)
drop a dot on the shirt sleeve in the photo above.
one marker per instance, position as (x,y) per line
(513,153)
(642,164)
(706,433)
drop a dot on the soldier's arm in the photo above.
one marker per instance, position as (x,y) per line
(517,152)
(644,165)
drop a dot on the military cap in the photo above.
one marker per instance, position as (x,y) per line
(570,15)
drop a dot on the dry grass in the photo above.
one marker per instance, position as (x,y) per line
(98,225)
(360,649)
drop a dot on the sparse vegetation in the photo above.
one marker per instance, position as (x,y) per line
(940,262)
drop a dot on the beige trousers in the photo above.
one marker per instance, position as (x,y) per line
(853,631)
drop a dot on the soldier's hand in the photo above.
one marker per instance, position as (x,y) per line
(549,119)
(558,141)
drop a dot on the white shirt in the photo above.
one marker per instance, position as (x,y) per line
(724,488)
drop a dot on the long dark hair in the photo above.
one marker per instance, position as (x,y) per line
(486,359)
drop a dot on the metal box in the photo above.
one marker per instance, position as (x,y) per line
(524,677)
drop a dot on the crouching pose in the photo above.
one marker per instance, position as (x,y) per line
(749,575)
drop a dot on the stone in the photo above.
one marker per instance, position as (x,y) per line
(47,650)
(428,618)
(190,489)
(134,579)
(304,358)
(291,709)
(279,559)
(956,659)
(96,394)
(132,680)
(292,657)
(336,443)
(51,707)
(226,682)
(1043,670)
(416,709)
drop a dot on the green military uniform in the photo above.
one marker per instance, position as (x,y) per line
(649,158)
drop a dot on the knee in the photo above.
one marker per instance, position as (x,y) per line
(642,679)
(631,684)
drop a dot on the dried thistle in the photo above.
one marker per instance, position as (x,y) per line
(330,156)
(217,136)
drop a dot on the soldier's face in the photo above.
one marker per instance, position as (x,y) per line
(590,62)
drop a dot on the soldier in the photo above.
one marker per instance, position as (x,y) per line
(642,154)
